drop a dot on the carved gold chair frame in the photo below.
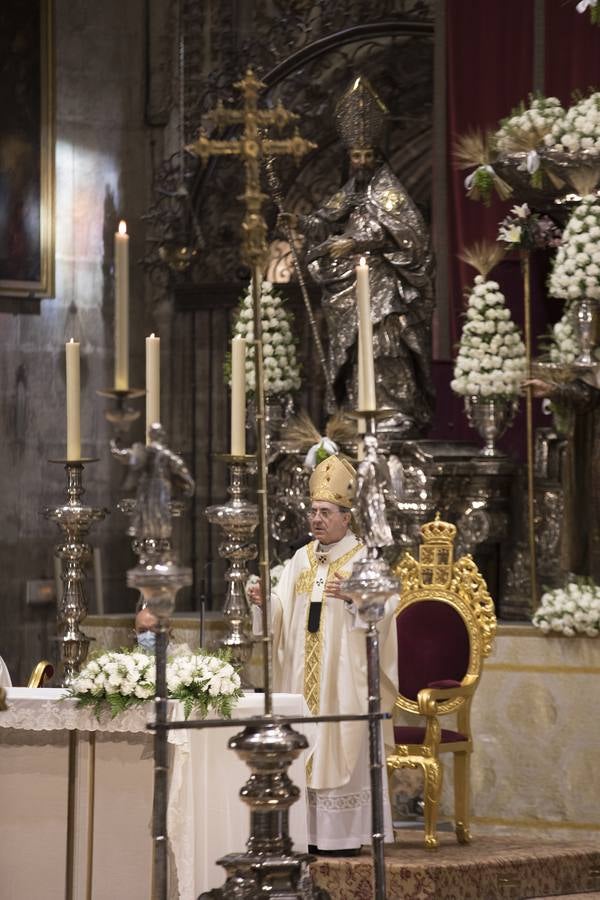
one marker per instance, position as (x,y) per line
(467,612)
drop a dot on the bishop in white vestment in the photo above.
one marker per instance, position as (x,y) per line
(319,650)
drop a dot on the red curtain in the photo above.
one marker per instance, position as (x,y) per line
(490,69)
(489,48)
(572,51)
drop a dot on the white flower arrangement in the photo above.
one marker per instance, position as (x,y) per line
(571,610)
(578,129)
(576,271)
(204,682)
(525,130)
(282,371)
(120,679)
(563,346)
(491,354)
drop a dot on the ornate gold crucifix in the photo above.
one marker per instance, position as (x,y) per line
(252,147)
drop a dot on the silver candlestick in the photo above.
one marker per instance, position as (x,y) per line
(75,520)
(370,585)
(158,577)
(238,518)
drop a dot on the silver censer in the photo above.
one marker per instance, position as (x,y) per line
(238,518)
(74,519)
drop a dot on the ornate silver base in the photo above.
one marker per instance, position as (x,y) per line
(268,868)
(238,518)
(278,877)
(75,520)
(490,416)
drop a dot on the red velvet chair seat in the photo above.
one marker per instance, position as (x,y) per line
(408,734)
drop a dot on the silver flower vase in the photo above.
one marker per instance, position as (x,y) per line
(490,416)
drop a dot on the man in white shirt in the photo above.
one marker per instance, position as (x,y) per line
(319,651)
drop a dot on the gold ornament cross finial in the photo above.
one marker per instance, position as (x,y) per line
(252,147)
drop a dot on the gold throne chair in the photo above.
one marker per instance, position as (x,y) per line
(445,624)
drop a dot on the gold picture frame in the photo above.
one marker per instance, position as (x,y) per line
(27,180)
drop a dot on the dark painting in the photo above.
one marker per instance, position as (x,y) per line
(26,150)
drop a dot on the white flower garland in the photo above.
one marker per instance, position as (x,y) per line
(576,271)
(578,129)
(572,610)
(537,119)
(119,679)
(282,372)
(491,354)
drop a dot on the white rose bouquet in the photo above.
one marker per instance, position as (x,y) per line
(571,610)
(491,354)
(282,370)
(116,680)
(576,271)
(120,679)
(578,129)
(204,682)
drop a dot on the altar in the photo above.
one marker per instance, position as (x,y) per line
(77,799)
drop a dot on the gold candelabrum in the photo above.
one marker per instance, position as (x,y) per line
(74,519)
(238,518)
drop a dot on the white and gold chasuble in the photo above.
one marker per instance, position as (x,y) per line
(329,668)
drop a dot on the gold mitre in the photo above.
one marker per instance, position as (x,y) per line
(333,480)
(360,115)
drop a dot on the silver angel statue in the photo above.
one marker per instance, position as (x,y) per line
(373,216)
(374,493)
(160,474)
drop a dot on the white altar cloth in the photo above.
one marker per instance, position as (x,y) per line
(106,770)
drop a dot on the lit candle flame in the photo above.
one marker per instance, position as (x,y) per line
(122,227)
(363,261)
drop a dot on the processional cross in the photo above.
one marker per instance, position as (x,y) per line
(252,147)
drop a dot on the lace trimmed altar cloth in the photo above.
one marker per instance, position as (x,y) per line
(111,780)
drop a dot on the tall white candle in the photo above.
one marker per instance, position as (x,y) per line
(73,401)
(238,396)
(152,382)
(122,308)
(366,366)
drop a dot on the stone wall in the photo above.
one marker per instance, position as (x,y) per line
(102,174)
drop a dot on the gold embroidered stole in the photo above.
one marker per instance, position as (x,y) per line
(313,640)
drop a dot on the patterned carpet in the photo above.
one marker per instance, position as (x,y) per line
(491,868)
